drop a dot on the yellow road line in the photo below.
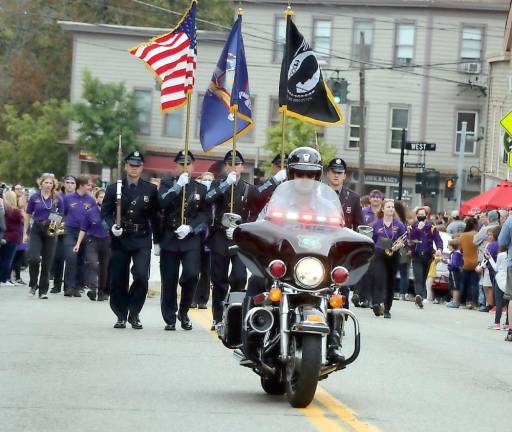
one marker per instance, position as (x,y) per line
(316,416)
(341,411)
(315,412)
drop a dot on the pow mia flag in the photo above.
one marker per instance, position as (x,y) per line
(303,93)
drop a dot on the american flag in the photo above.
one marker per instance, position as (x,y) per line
(172,57)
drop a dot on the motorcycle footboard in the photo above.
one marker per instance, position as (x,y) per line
(357,335)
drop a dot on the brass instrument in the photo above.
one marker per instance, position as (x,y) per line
(402,239)
(60,229)
(53,228)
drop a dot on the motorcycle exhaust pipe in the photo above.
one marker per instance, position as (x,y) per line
(259,319)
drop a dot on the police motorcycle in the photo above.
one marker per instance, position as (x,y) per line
(291,332)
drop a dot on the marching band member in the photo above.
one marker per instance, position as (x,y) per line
(389,235)
(42,207)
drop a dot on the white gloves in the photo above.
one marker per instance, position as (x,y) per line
(231,178)
(229,233)
(183,231)
(117,230)
(183,179)
(156,249)
(280,176)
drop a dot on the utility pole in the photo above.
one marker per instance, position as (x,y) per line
(460,164)
(401,178)
(362,146)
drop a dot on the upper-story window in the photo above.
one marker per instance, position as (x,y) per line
(404,44)
(354,125)
(143,105)
(471,49)
(173,124)
(279,39)
(366,28)
(322,39)
(399,121)
(471,119)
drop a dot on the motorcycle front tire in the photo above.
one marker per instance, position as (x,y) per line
(302,379)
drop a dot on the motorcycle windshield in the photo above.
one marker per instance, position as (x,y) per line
(304,202)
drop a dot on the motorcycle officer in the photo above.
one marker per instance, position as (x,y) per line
(181,241)
(303,163)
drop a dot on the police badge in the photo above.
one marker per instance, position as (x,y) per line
(146,198)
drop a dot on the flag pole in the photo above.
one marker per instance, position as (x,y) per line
(287,13)
(233,154)
(187,129)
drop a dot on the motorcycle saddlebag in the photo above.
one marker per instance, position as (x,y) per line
(230,331)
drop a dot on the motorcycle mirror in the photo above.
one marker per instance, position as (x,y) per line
(231,220)
(365,230)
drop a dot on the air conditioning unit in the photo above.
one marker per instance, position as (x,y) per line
(403,61)
(470,68)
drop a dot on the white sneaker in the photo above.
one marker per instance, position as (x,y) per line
(9,283)
(425,301)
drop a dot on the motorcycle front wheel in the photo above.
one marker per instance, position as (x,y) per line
(303,369)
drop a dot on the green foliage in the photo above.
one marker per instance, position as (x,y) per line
(30,145)
(106,111)
(298,134)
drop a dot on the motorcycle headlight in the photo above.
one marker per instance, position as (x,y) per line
(309,272)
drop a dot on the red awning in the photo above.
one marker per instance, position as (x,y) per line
(165,165)
(499,197)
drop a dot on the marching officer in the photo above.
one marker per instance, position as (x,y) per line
(266,189)
(219,195)
(131,241)
(181,241)
(336,175)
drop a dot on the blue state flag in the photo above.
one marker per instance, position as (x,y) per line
(229,88)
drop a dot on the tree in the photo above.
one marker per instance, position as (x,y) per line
(298,134)
(108,110)
(31,141)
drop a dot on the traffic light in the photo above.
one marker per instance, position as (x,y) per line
(449,188)
(418,188)
(339,88)
(431,183)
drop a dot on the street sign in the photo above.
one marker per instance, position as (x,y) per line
(414,165)
(420,146)
(506,122)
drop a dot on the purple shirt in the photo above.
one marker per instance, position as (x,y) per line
(369,216)
(75,208)
(41,208)
(493,249)
(92,223)
(426,237)
(391,232)
(456,261)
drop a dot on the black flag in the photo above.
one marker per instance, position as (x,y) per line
(302,91)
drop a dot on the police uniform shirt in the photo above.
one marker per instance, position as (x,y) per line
(351,205)
(139,214)
(170,196)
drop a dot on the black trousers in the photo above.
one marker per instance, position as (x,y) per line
(126,299)
(202,293)
(58,263)
(40,252)
(97,255)
(221,281)
(364,287)
(75,261)
(18,262)
(420,267)
(169,272)
(384,271)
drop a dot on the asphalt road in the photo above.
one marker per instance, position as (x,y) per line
(64,368)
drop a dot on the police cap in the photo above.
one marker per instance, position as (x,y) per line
(337,165)
(135,158)
(277,159)
(180,157)
(228,158)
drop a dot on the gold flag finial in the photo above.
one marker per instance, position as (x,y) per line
(240,11)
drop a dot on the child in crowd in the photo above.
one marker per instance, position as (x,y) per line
(455,267)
